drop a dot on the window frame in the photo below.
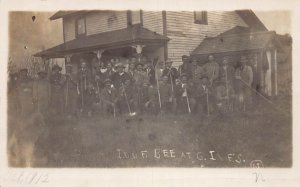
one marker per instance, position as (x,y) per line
(204,20)
(76,26)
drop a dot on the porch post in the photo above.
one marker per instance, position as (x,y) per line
(259,60)
(273,78)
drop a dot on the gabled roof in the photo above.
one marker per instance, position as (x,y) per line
(233,41)
(61,14)
(134,34)
(251,20)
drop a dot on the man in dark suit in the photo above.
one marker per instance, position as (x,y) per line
(120,76)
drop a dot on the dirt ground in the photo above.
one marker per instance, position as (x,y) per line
(260,138)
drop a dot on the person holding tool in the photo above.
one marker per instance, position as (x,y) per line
(83,82)
(109,98)
(56,81)
(185,95)
(165,91)
(244,79)
(172,75)
(41,93)
(204,97)
(70,93)
(212,70)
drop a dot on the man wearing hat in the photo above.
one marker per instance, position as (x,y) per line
(244,79)
(185,95)
(212,69)
(227,72)
(70,93)
(185,66)
(166,97)
(204,96)
(100,75)
(131,68)
(84,79)
(171,73)
(42,93)
(127,95)
(25,89)
(56,81)
(150,72)
(224,96)
(108,98)
(119,77)
(197,71)
(140,77)
(13,102)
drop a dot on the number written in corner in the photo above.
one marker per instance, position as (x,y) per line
(28,177)
(259,177)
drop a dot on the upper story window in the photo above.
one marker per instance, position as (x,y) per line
(200,17)
(80,27)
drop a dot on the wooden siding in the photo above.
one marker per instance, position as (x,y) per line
(153,21)
(69,28)
(98,22)
(185,35)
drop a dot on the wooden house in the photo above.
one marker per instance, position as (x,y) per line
(115,35)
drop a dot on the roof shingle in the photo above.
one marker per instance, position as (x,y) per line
(113,39)
(231,41)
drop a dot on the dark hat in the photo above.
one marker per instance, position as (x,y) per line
(56,67)
(107,81)
(42,72)
(23,70)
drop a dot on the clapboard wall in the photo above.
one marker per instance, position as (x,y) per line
(153,20)
(185,35)
(97,22)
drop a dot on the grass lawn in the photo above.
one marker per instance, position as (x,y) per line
(231,140)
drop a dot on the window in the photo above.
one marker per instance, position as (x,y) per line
(80,26)
(200,17)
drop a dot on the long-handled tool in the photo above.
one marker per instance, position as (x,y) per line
(114,108)
(262,96)
(207,101)
(127,102)
(188,102)
(67,93)
(158,92)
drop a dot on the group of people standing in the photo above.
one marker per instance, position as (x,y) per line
(142,87)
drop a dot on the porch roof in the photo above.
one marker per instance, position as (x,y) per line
(131,35)
(236,40)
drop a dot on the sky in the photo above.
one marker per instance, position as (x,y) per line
(28,36)
(280,21)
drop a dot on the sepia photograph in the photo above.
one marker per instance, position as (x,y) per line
(149,88)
